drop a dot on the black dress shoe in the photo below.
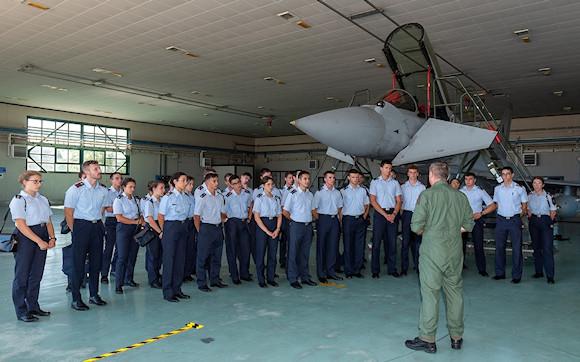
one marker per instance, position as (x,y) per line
(188,278)
(538,275)
(132,284)
(359,275)
(516,280)
(323,280)
(309,282)
(204,289)
(456,344)
(338,270)
(551,281)
(80,306)
(499,277)
(263,285)
(39,312)
(483,274)
(273,283)
(237,282)
(335,277)
(172,299)
(219,284)
(348,276)
(418,344)
(27,318)
(394,274)
(296,285)
(248,279)
(119,290)
(182,296)
(105,280)
(403,273)
(156,285)
(96,300)
(276,276)
(376,276)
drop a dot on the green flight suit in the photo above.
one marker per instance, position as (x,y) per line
(439,215)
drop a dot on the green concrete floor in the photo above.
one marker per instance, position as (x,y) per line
(368,320)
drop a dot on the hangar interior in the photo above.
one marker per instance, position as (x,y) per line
(149,88)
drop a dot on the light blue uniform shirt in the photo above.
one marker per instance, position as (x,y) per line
(285,191)
(267,206)
(386,191)
(327,201)
(354,200)
(87,201)
(174,206)
(477,197)
(411,194)
(210,207)
(33,209)
(151,208)
(541,204)
(198,191)
(129,208)
(111,196)
(191,199)
(237,205)
(509,199)
(260,190)
(299,205)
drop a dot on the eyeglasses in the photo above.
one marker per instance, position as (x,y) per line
(36,181)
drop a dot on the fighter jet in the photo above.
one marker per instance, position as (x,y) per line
(392,128)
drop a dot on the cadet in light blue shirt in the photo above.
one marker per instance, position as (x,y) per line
(238,205)
(298,209)
(541,215)
(110,227)
(31,214)
(290,179)
(83,209)
(411,191)
(191,244)
(477,198)
(511,200)
(128,213)
(209,213)
(327,208)
(153,256)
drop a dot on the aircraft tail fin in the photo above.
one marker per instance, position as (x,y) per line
(437,139)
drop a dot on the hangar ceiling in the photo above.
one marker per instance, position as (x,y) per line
(238,43)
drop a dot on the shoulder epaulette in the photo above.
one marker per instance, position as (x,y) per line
(120,196)
(18,196)
(229,194)
(151,200)
(103,185)
(294,191)
(203,195)
(259,195)
(79,184)
(277,197)
(247,191)
(169,193)
(200,188)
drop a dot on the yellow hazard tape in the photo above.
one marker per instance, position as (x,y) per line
(188,326)
(333,284)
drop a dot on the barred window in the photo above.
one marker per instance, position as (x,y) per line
(62,146)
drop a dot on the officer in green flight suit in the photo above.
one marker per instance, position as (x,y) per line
(440,216)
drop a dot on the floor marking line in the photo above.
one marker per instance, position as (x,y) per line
(333,284)
(188,326)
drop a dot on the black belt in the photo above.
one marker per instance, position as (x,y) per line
(89,221)
(179,221)
(302,223)
(110,218)
(237,219)
(540,215)
(354,216)
(42,225)
(268,217)
(510,217)
(389,211)
(214,225)
(328,215)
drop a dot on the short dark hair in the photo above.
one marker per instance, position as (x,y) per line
(88,163)
(454,179)
(304,172)
(469,174)
(247,174)
(210,176)
(538,178)
(508,168)
(386,162)
(228,175)
(81,174)
(151,185)
(128,180)
(264,170)
(412,167)
(265,179)
(353,171)
(234,177)
(190,178)
(289,173)
(176,177)
(113,175)
(329,172)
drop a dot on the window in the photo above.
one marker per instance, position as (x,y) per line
(60,146)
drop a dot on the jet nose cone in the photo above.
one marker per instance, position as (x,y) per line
(353,130)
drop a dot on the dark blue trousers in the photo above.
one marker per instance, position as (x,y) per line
(68,262)
(385,231)
(28,272)
(477,238)
(210,244)
(354,229)
(327,235)
(265,244)
(153,258)
(173,243)
(190,248)
(110,240)
(125,246)
(284,242)
(410,239)
(87,240)
(252,231)
(542,234)
(299,251)
(511,227)
(238,248)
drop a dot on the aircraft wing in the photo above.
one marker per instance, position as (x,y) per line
(438,139)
